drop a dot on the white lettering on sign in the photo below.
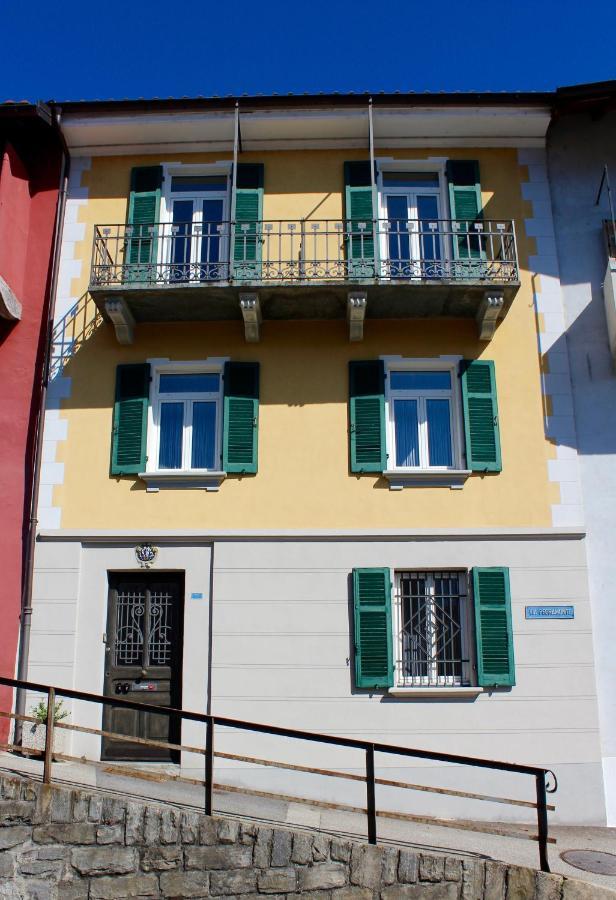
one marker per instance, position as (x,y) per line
(549,612)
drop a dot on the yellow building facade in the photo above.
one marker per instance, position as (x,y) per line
(303,479)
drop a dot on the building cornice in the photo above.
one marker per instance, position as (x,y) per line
(107,536)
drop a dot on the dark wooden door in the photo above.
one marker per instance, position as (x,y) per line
(143,661)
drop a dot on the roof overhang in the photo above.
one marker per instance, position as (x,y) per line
(149,131)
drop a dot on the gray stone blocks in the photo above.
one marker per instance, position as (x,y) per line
(62,844)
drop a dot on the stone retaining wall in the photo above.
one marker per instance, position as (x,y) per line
(72,844)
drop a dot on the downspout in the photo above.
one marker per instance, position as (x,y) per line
(26,596)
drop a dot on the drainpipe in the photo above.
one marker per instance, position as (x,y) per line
(28,569)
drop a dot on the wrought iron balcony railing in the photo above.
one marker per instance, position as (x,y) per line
(280,252)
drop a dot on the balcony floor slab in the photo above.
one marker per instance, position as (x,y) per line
(216,302)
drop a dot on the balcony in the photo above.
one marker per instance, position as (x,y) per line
(304,269)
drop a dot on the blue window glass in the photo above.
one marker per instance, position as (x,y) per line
(420,381)
(398,221)
(407,433)
(171,428)
(439,432)
(189,383)
(181,239)
(427,213)
(203,435)
(198,184)
(210,242)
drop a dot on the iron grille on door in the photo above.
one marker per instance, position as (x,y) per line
(144,620)
(432,629)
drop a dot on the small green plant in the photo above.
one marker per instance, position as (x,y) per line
(40,712)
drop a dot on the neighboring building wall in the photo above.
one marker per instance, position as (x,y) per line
(29,182)
(578,148)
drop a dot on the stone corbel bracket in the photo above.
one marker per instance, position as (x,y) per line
(121,319)
(10,307)
(356,313)
(488,314)
(251,313)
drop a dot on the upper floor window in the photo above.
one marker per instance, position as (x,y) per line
(423,418)
(186,414)
(411,209)
(187,424)
(420,421)
(195,244)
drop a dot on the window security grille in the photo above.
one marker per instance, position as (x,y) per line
(432,629)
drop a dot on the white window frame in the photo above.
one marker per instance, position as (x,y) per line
(156,477)
(455,411)
(432,682)
(166,209)
(434,164)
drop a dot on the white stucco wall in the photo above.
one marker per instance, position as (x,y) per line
(578,148)
(282,654)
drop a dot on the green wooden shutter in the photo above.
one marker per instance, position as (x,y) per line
(143,213)
(367,415)
(374,667)
(241,417)
(359,213)
(492,600)
(466,209)
(481,429)
(130,419)
(248,222)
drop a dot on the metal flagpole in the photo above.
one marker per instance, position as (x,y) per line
(375,218)
(236,143)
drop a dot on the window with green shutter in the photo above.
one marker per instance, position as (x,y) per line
(367,415)
(241,417)
(493,628)
(374,665)
(247,236)
(466,212)
(143,215)
(130,418)
(359,222)
(481,429)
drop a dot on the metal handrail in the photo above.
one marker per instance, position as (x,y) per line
(369,747)
(304,250)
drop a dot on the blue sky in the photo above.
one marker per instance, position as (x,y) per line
(147,48)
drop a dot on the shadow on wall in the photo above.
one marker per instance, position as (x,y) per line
(579,145)
(579,382)
(591,374)
(71,332)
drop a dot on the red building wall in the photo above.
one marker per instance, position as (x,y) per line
(29,188)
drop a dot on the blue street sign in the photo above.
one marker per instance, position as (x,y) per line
(550,612)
